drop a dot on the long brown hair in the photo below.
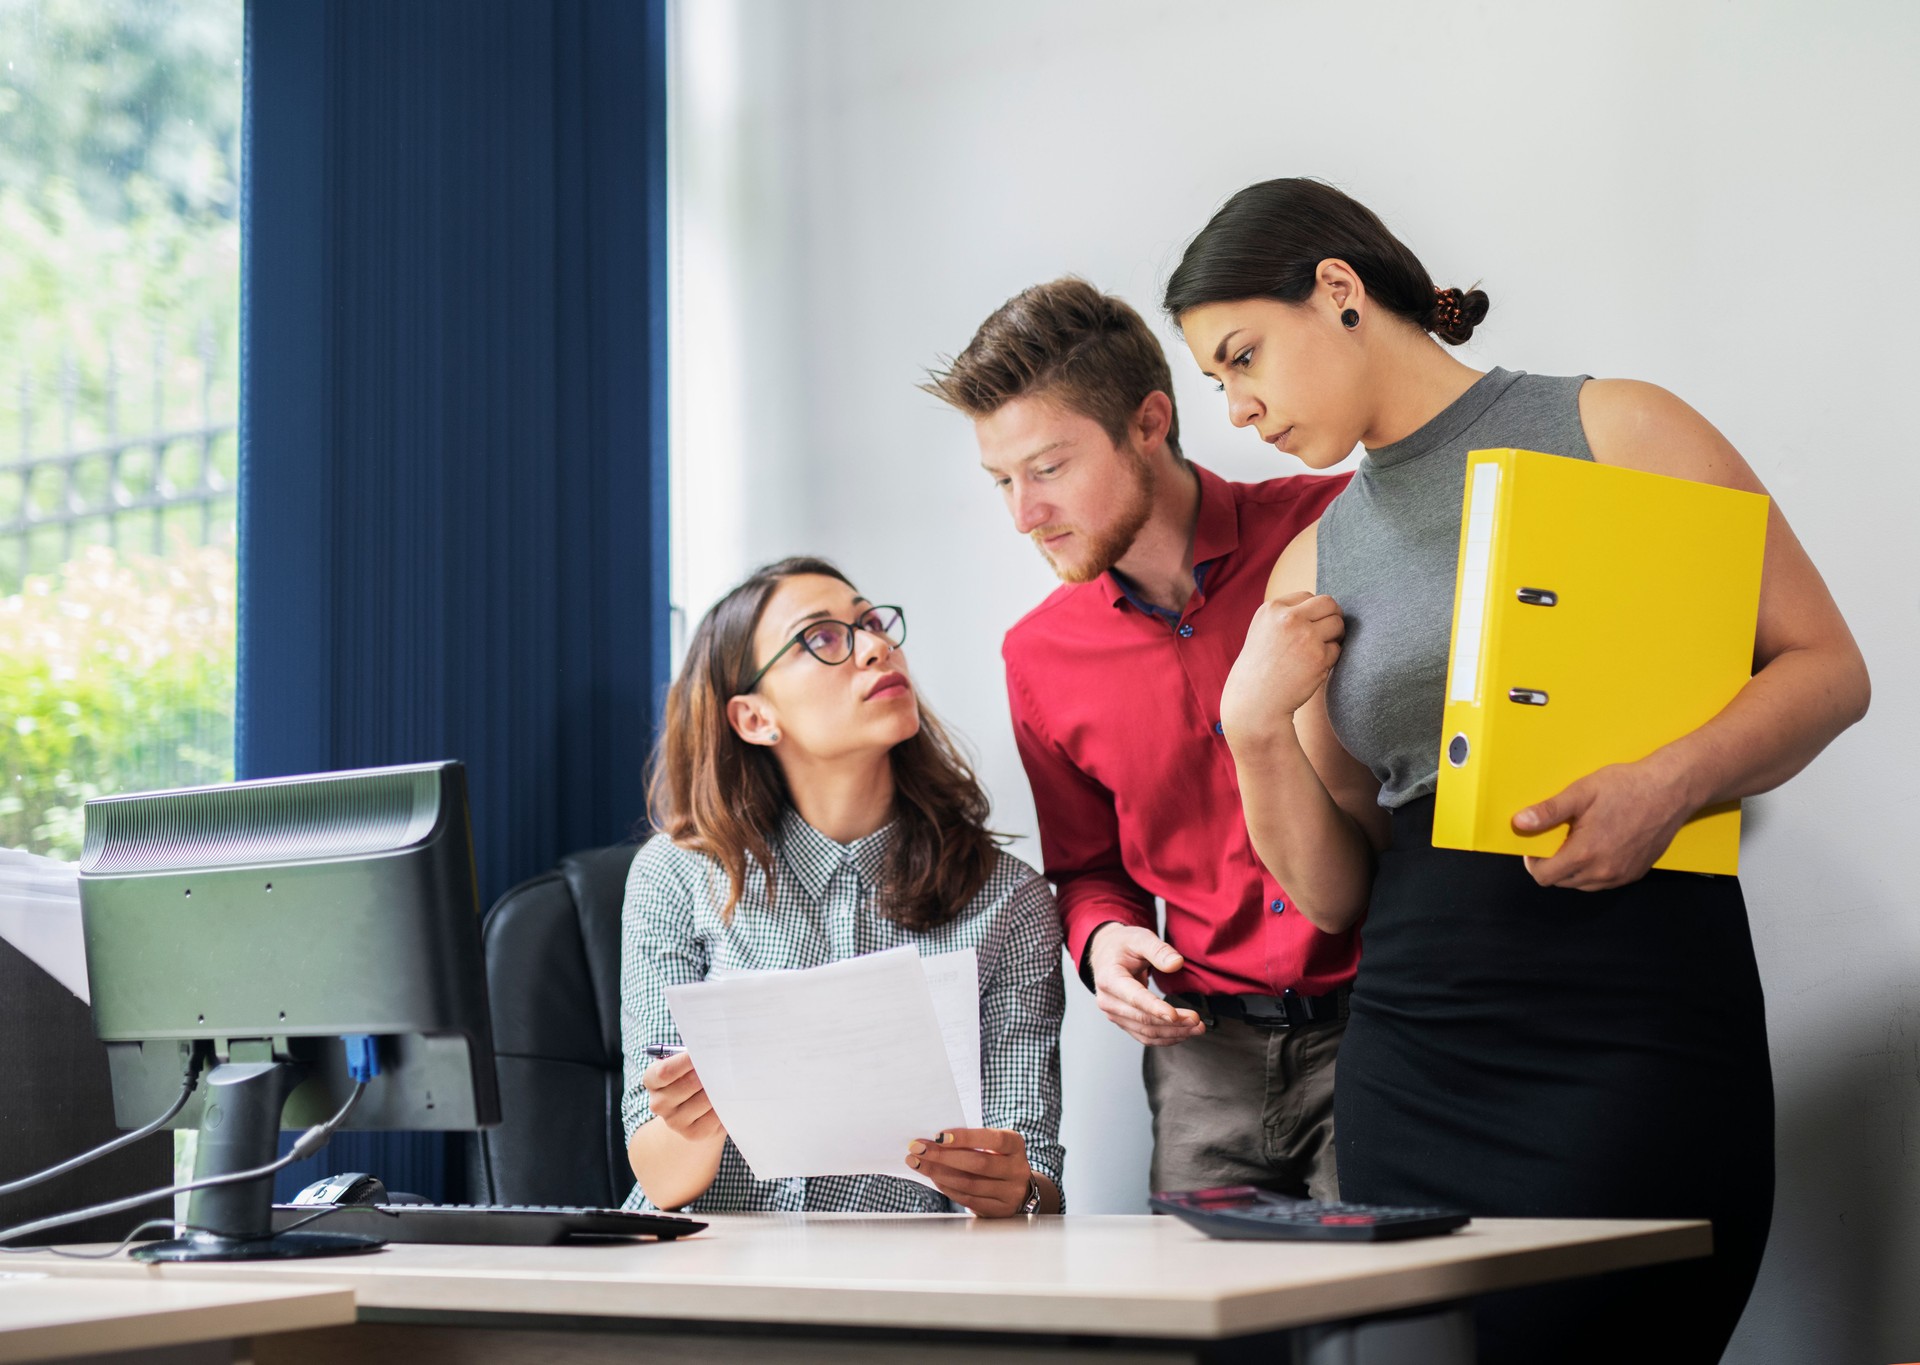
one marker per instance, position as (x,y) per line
(712,792)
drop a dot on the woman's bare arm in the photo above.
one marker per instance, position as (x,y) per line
(1810,681)
(1311,808)
(676,1154)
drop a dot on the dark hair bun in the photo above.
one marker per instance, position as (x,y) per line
(1455,314)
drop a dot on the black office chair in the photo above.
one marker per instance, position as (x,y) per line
(553,973)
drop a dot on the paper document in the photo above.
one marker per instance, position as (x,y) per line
(834,1070)
(40,915)
(954,981)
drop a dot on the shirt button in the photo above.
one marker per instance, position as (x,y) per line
(1186,630)
(1218,728)
(1278,906)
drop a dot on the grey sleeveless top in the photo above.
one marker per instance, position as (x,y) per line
(1388,546)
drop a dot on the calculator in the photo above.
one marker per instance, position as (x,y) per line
(1239,1212)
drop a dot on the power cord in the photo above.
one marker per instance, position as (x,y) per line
(187,1084)
(303,1147)
(168,1225)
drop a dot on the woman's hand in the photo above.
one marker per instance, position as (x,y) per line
(1292,645)
(679,1100)
(984,1169)
(676,1154)
(1623,817)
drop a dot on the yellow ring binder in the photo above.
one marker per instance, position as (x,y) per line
(1654,585)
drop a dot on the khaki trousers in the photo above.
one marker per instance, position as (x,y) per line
(1245,1105)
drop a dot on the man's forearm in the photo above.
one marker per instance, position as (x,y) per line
(1090,902)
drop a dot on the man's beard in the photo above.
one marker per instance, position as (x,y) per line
(1103,549)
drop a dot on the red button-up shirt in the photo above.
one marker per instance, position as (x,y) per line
(1117,714)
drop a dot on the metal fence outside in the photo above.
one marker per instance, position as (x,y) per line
(136,491)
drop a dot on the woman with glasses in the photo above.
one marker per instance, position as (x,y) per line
(809,810)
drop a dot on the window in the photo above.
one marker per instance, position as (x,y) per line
(119,327)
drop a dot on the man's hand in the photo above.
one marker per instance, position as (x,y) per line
(983,1169)
(679,1099)
(1120,957)
(1623,817)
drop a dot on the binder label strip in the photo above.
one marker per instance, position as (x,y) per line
(1475,584)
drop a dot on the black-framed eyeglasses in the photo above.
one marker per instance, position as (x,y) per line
(831,642)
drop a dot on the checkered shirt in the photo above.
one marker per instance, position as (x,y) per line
(825,908)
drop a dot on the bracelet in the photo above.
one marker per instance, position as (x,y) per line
(1032,1203)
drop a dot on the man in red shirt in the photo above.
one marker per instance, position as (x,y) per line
(1115,685)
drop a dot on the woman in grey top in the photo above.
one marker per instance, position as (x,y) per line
(1574,1035)
(811,809)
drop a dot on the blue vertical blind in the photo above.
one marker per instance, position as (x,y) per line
(453,418)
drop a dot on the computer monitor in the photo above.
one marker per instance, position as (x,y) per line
(248,930)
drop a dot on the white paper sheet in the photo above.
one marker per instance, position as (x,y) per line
(954,981)
(834,1070)
(40,915)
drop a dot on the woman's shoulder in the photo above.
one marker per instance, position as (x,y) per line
(1013,898)
(1298,568)
(1615,411)
(663,869)
(1011,878)
(1642,426)
(1010,884)
(660,856)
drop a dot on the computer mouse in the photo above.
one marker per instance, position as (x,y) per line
(354,1187)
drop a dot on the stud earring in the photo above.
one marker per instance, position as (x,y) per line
(773,737)
(1350,319)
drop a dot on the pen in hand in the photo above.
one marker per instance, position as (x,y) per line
(660,1052)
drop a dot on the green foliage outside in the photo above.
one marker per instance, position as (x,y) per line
(95,299)
(118,676)
(110,327)
(119,227)
(109,94)
(119,317)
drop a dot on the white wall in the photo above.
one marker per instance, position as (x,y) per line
(1721,199)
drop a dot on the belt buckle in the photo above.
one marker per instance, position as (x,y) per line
(1268,1011)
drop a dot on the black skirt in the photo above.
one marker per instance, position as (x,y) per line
(1530,1052)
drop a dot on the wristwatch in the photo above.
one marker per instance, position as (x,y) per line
(1032,1204)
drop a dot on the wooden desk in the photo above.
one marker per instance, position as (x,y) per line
(44,1316)
(855,1287)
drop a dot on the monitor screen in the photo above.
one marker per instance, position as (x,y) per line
(248,931)
(279,916)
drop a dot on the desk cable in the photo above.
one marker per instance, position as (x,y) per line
(303,1147)
(187,1084)
(167,1225)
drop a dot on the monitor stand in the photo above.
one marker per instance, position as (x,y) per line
(240,1130)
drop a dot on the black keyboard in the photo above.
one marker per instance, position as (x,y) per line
(511,1225)
(1242,1211)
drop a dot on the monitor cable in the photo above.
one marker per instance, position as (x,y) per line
(187,1084)
(165,1225)
(303,1147)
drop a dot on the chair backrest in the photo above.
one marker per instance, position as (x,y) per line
(553,975)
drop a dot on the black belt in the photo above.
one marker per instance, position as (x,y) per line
(1289,1009)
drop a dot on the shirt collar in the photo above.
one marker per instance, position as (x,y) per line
(814,858)
(1216,532)
(1448,423)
